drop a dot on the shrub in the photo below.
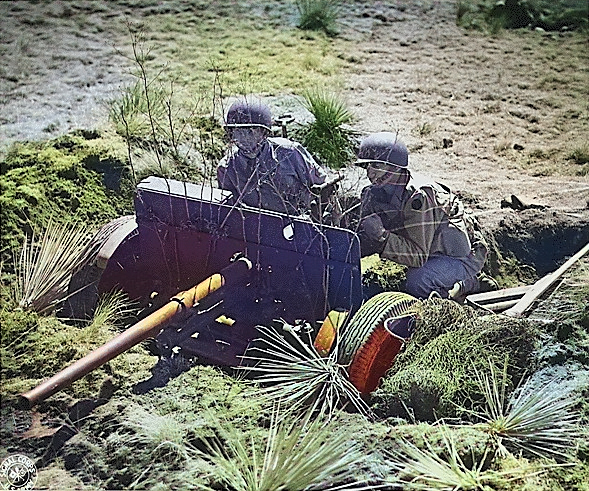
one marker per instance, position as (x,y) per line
(432,377)
(327,136)
(318,15)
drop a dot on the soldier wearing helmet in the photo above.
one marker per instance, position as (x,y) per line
(417,222)
(270,173)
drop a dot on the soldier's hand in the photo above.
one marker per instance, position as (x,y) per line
(372,228)
(373,235)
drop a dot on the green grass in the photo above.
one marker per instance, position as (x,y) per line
(329,136)
(319,15)
(295,456)
(248,56)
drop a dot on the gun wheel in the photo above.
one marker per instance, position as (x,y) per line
(373,360)
(366,346)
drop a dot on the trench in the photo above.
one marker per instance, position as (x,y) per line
(540,240)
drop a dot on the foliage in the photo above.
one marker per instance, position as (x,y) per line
(319,15)
(44,268)
(380,275)
(76,178)
(514,14)
(426,469)
(432,377)
(295,456)
(295,374)
(328,136)
(540,420)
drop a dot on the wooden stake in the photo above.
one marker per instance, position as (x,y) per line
(543,284)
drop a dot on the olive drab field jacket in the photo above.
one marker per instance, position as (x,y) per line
(279,178)
(424,219)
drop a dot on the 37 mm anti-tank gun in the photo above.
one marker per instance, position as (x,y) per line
(236,268)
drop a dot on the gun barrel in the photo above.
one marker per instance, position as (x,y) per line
(148,327)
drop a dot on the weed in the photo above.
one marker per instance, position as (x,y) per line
(327,136)
(538,420)
(319,15)
(44,268)
(297,375)
(296,456)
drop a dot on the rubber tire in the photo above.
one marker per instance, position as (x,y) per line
(370,315)
(374,359)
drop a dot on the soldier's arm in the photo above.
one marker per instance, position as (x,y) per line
(411,244)
(308,168)
(224,178)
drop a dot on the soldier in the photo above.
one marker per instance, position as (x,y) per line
(417,222)
(271,173)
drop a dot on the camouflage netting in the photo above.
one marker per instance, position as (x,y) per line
(434,376)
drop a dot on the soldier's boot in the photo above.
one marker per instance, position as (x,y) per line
(478,284)
(487,283)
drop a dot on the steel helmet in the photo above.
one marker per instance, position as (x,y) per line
(383,147)
(249,112)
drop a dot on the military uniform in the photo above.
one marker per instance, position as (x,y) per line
(425,227)
(278,178)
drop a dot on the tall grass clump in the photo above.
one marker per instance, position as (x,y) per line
(540,420)
(425,469)
(292,372)
(294,456)
(111,310)
(319,15)
(327,136)
(45,266)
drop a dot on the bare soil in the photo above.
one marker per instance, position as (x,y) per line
(491,116)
